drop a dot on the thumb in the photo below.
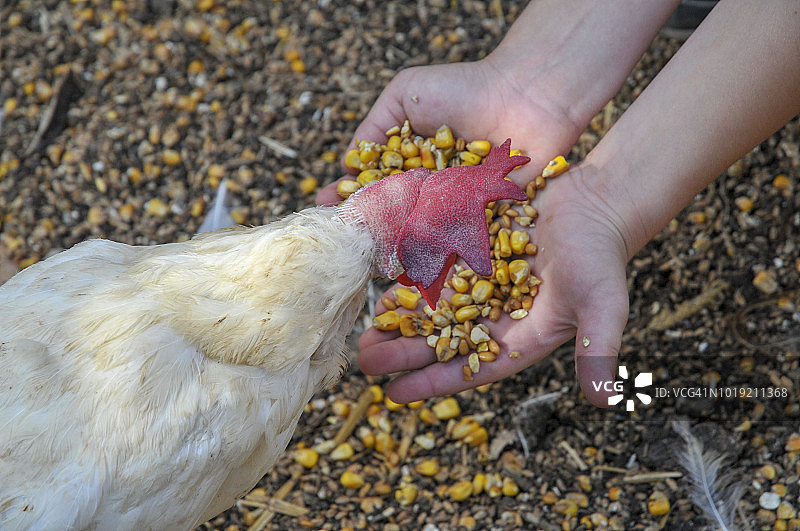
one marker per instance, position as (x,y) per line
(597,343)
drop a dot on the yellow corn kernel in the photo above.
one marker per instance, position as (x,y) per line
(487,356)
(460,491)
(461,285)
(408,148)
(446,348)
(566,507)
(427,159)
(387,321)
(352,159)
(410,325)
(239,215)
(518,271)
(308,184)
(782,183)
(467,313)
(461,299)
(14,20)
(579,498)
(479,147)
(351,480)
(367,176)
(9,106)
(594,521)
(391,405)
(464,427)
(329,156)
(384,443)
(195,67)
(394,143)
(156,207)
(406,495)
(442,157)
(427,416)
(428,467)
(549,498)
(510,487)
(479,482)
(614,493)
(291,54)
(377,394)
(171,157)
(477,437)
(446,408)
(197,207)
(392,159)
(555,167)
(745,204)
(469,159)
(368,153)
(27,262)
(306,457)
(216,171)
(766,282)
(412,162)
(474,363)
(342,452)
(443,138)
(503,244)
(518,240)
(501,273)
(346,187)
(785,511)
(482,291)
(366,436)
(379,421)
(406,297)
(340,408)
(658,504)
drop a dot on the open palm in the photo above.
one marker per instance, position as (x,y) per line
(581,262)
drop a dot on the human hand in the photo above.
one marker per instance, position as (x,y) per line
(479,101)
(581,262)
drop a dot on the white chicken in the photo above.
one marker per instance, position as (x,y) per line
(150,387)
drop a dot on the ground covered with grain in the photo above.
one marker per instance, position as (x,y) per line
(120,118)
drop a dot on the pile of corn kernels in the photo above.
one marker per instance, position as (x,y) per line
(452,328)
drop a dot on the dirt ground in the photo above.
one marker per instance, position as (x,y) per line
(120,118)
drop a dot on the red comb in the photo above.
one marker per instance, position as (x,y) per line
(449,219)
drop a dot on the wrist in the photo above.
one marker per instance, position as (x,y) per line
(577,58)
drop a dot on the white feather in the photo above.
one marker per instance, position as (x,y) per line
(219,216)
(716,493)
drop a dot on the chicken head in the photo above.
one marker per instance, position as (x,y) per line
(422,220)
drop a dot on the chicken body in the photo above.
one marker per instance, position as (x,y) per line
(149,387)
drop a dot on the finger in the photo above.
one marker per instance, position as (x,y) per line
(518,350)
(328,195)
(380,353)
(598,340)
(447,378)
